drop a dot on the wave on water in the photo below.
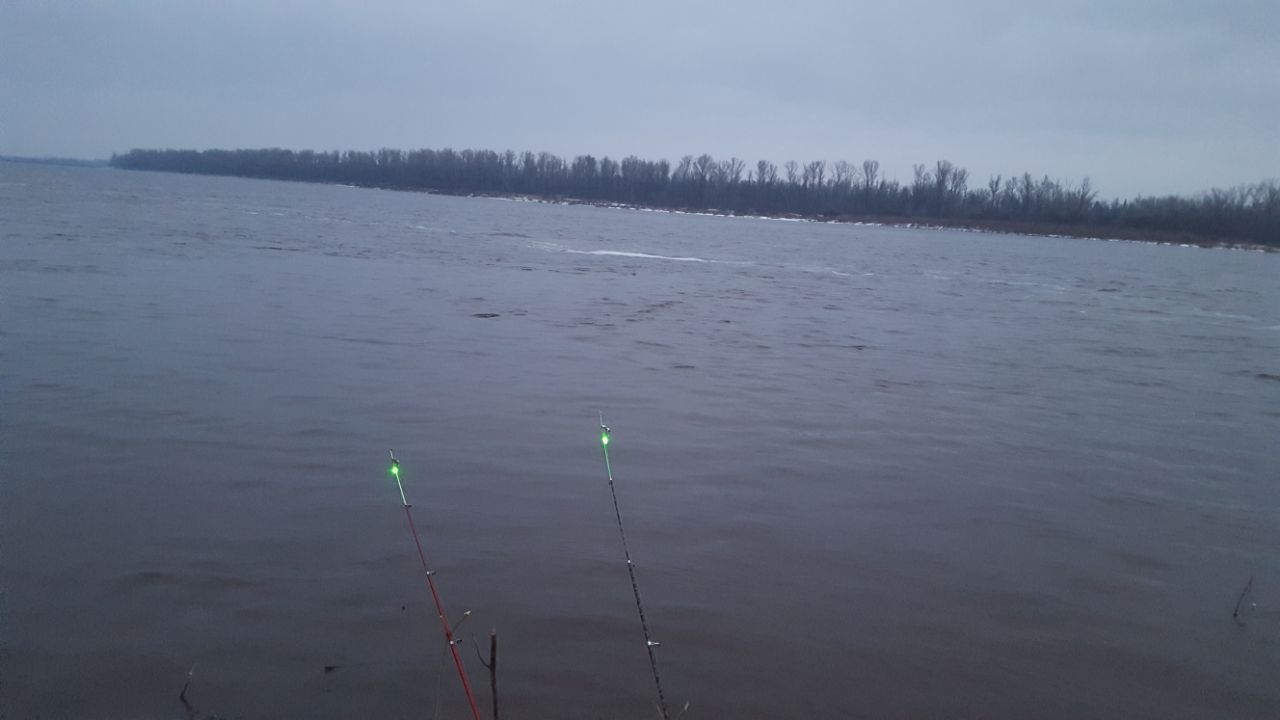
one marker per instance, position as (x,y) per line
(646,256)
(680,258)
(555,247)
(819,269)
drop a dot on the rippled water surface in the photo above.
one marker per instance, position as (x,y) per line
(866,472)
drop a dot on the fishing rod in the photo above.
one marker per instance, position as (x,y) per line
(631,570)
(435,595)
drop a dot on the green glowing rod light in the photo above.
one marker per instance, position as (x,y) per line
(604,438)
(395,469)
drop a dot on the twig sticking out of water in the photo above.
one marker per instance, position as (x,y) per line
(191,711)
(1235,614)
(492,666)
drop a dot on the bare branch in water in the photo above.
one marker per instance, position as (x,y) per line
(1235,614)
(191,711)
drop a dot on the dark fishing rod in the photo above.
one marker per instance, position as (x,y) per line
(631,570)
(435,595)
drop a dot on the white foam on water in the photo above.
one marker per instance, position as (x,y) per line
(646,256)
(1201,312)
(556,247)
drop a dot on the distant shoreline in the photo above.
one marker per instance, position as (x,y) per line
(937,196)
(1027,228)
(1009,227)
(62,161)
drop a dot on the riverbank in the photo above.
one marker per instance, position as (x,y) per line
(1010,227)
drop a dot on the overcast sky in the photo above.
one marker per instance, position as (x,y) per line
(1144,97)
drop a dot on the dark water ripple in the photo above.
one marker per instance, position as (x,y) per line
(867,472)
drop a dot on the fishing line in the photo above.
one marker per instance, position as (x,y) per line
(435,595)
(635,588)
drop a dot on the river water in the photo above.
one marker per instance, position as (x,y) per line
(866,472)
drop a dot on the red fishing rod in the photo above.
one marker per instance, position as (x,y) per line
(435,595)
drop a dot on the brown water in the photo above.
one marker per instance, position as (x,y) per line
(867,472)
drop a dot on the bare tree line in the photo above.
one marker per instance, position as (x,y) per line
(940,192)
